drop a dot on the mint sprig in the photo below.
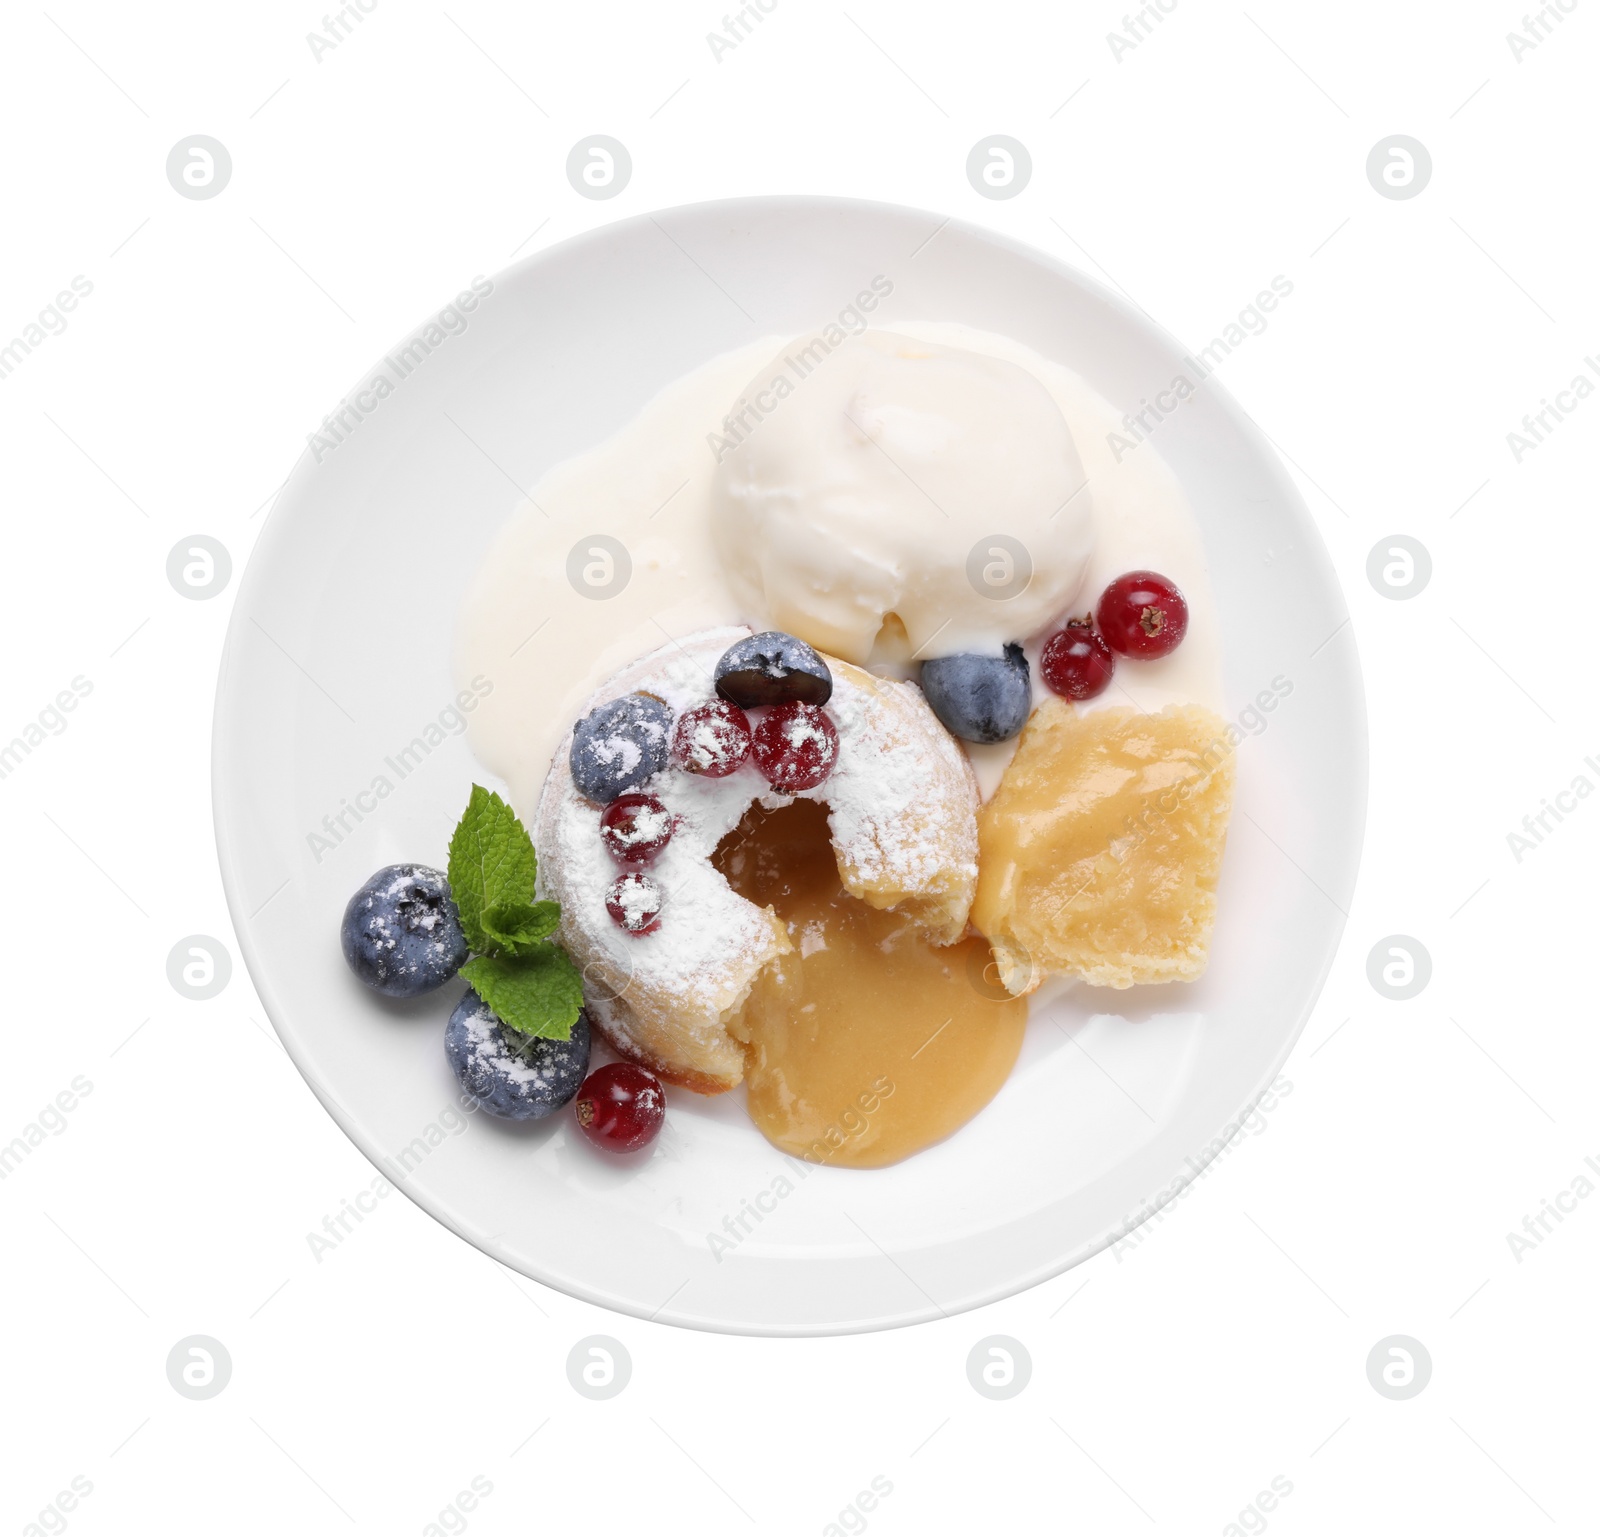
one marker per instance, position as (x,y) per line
(519,928)
(529,982)
(491,862)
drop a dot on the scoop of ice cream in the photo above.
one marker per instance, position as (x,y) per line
(892,477)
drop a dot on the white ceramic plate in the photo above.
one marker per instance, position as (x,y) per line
(339,655)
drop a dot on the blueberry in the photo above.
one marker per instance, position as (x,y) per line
(618,746)
(772,668)
(979,698)
(510,1074)
(401,933)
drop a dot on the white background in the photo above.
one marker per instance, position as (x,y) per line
(1170,1383)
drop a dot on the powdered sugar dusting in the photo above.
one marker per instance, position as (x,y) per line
(633,900)
(615,751)
(515,1057)
(712,738)
(802,733)
(642,827)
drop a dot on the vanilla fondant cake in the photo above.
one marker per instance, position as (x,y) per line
(902,804)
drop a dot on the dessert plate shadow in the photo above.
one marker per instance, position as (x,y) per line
(338,664)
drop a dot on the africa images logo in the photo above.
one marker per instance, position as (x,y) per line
(398,366)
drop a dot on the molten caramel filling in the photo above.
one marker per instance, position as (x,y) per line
(865,1044)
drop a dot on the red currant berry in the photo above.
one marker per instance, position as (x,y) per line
(1142,614)
(1076,662)
(621,1107)
(795,747)
(635,828)
(634,902)
(711,739)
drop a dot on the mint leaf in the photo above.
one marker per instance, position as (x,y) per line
(538,994)
(529,983)
(491,862)
(514,928)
